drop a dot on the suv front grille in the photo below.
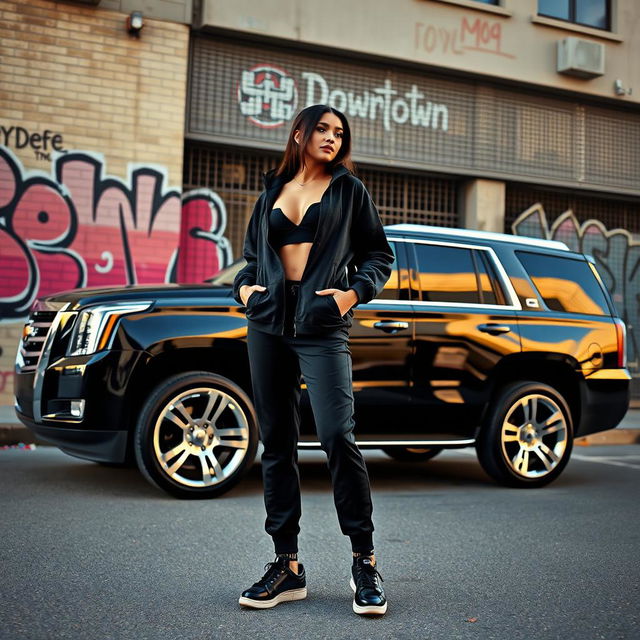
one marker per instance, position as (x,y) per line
(31,346)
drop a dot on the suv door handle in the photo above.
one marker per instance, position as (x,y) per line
(494,329)
(390,326)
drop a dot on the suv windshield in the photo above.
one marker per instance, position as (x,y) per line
(226,276)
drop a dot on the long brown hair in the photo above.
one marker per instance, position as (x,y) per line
(306,121)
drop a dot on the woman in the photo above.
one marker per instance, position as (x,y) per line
(315,247)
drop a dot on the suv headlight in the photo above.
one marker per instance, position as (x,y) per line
(95,325)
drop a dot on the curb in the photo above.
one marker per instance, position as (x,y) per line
(15,433)
(612,436)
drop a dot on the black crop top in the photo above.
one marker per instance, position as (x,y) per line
(282,231)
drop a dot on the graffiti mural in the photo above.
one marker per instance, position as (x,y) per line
(78,227)
(204,249)
(617,257)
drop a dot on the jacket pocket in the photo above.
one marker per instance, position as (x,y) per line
(323,312)
(253,297)
(334,305)
(260,304)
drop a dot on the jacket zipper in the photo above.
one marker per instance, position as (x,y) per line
(304,271)
(315,236)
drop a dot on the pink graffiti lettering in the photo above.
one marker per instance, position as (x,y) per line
(480,35)
(85,229)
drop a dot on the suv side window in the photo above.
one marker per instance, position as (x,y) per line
(397,286)
(455,275)
(565,284)
(490,292)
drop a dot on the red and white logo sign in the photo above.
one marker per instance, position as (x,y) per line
(267,96)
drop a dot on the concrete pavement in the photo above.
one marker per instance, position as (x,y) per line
(628,432)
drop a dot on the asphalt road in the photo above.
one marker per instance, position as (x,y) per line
(94,552)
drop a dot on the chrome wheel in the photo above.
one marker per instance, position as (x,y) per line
(201,437)
(526,437)
(534,435)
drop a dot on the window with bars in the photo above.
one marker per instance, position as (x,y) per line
(236,176)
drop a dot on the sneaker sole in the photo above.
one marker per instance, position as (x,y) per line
(285,596)
(370,609)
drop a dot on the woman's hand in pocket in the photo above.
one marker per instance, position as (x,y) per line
(247,289)
(344,299)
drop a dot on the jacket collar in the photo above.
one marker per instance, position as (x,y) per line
(272,181)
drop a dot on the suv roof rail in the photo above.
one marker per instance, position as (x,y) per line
(472,233)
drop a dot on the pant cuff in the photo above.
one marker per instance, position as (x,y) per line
(362,542)
(285,545)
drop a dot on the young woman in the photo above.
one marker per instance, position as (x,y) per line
(315,247)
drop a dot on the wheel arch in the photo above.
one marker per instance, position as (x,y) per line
(558,371)
(227,358)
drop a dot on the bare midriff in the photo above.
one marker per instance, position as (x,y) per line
(294,201)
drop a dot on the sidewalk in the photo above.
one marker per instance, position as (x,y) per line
(12,431)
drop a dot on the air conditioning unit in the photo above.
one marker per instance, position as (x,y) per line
(580,58)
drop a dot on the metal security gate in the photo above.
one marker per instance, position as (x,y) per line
(607,228)
(247,93)
(236,176)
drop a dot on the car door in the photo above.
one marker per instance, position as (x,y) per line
(465,324)
(381,348)
(381,344)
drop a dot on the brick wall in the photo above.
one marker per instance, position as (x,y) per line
(91,148)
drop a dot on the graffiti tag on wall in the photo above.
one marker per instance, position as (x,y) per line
(479,35)
(79,227)
(617,258)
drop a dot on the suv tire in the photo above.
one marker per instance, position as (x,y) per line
(196,435)
(527,437)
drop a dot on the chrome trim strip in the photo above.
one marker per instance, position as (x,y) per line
(462,306)
(480,235)
(38,378)
(399,443)
(54,417)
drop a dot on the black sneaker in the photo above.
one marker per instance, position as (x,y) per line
(369,595)
(278,584)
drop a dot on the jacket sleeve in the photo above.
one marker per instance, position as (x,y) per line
(248,273)
(373,255)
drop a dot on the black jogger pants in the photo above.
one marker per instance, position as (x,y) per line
(324,360)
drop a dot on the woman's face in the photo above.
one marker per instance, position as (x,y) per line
(326,139)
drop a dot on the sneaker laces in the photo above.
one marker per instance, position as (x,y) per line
(367,576)
(271,574)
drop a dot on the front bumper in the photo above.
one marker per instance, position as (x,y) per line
(81,403)
(101,446)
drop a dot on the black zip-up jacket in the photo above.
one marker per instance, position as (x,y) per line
(349,251)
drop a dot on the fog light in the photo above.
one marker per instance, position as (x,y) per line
(77,408)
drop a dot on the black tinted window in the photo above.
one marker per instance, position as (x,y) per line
(397,287)
(486,279)
(446,274)
(565,284)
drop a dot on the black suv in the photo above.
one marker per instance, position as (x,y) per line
(505,343)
